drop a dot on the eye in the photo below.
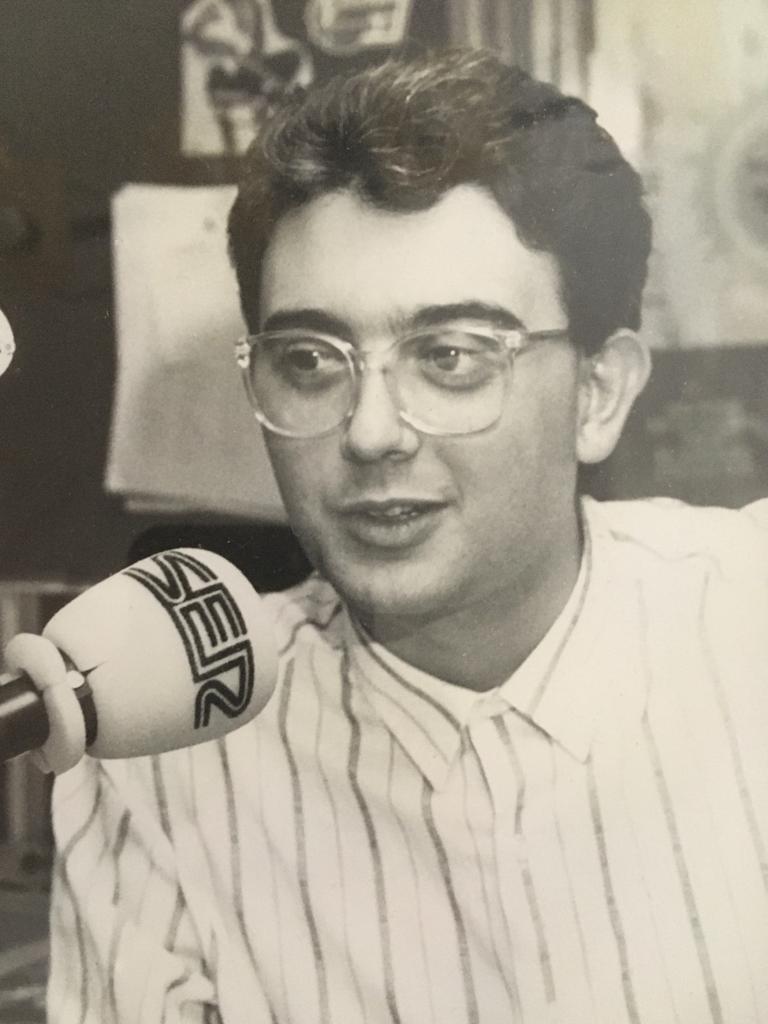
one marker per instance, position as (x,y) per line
(449,358)
(303,358)
(305,361)
(456,359)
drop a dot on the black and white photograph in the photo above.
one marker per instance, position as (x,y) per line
(383,512)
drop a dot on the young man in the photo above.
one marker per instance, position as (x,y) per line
(513,765)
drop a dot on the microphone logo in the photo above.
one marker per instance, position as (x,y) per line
(211,627)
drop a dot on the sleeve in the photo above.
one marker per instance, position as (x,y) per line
(123,943)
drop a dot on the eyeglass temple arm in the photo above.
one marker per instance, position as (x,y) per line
(550,335)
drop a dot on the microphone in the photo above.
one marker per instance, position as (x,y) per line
(174,650)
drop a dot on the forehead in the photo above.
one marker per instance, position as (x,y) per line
(368,266)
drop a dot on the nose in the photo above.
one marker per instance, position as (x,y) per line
(375,429)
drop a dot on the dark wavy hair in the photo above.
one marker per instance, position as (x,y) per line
(403,133)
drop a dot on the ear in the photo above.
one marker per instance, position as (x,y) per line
(612,379)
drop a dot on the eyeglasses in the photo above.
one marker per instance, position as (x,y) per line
(445,380)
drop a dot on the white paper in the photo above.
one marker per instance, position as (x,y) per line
(183,436)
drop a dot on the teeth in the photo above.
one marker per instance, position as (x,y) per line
(395,511)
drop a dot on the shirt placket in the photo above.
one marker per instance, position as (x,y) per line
(518,929)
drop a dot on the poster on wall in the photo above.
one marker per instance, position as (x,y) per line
(179,401)
(234,62)
(351,26)
(697,128)
(240,56)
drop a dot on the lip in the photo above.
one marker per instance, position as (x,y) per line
(384,506)
(379,523)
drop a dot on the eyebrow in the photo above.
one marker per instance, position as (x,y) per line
(308,320)
(311,319)
(499,316)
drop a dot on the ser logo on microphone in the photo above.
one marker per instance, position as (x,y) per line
(211,627)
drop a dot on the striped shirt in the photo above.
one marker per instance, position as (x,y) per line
(587,844)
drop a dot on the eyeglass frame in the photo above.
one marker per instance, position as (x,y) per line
(516,341)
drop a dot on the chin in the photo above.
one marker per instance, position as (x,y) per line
(388,592)
(424,581)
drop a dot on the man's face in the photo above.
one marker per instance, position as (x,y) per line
(406,524)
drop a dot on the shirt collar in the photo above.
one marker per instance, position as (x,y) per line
(425,715)
(559,686)
(553,687)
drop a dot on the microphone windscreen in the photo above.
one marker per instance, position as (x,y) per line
(177,649)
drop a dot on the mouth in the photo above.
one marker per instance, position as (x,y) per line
(395,522)
(393,509)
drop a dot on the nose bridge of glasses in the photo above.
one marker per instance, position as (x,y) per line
(375,422)
(376,359)
(376,389)
(374,384)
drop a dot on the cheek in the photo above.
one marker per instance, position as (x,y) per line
(293,472)
(526,467)
(553,423)
(302,470)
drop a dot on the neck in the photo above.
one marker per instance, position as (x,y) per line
(479,645)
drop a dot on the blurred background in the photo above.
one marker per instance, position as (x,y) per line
(123,429)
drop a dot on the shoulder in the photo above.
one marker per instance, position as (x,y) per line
(97,800)
(673,532)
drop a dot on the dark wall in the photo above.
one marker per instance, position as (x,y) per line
(88,101)
(89,98)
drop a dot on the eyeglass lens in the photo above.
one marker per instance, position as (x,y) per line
(447,381)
